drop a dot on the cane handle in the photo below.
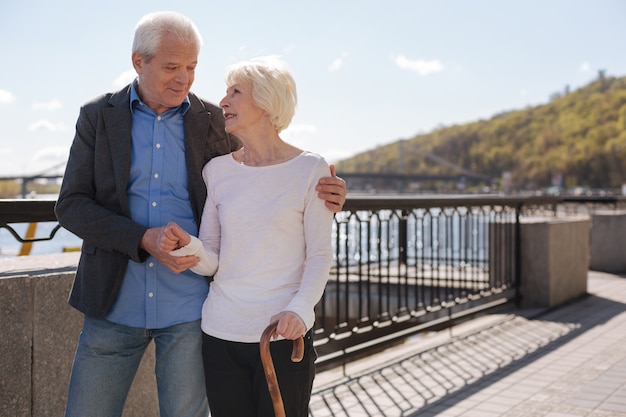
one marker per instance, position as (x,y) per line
(268,365)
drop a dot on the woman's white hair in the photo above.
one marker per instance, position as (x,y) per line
(273,87)
(152,27)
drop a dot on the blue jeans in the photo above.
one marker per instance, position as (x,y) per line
(107,358)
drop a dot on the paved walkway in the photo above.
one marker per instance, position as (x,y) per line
(565,362)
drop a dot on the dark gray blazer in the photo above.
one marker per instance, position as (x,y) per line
(93,202)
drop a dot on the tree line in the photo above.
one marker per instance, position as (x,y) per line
(577,139)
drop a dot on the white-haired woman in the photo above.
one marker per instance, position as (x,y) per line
(266,238)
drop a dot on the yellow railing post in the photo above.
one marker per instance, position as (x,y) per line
(27,246)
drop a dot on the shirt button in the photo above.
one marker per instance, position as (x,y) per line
(159,118)
(154,204)
(156,176)
(158,145)
(151,264)
(150,294)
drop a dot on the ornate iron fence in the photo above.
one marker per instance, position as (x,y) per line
(403,264)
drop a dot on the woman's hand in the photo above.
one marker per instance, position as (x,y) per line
(160,241)
(290,325)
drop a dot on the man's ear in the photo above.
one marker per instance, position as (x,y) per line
(137,62)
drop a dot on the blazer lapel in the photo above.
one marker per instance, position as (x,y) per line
(197,120)
(118,123)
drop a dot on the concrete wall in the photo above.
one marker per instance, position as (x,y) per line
(39,333)
(554,260)
(608,251)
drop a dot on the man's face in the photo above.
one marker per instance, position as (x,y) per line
(165,81)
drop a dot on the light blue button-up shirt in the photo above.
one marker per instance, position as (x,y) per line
(152,296)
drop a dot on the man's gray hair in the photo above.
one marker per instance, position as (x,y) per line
(151,28)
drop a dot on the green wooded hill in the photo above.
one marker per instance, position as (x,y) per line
(579,136)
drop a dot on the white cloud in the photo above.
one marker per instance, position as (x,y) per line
(299,135)
(299,129)
(420,66)
(51,155)
(46,125)
(337,63)
(585,67)
(6,97)
(125,78)
(50,105)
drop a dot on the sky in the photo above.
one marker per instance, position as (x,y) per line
(368,73)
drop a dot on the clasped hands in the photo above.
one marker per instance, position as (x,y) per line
(160,241)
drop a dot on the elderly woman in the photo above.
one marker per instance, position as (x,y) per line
(270,235)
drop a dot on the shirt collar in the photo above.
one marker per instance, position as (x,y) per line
(136,101)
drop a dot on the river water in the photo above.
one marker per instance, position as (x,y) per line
(375,239)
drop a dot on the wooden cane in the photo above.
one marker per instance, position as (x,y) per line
(268,366)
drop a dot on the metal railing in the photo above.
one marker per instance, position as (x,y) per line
(27,211)
(404,264)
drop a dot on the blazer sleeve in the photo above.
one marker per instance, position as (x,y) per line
(92,200)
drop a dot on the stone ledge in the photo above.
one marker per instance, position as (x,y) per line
(554,260)
(41,331)
(38,264)
(608,253)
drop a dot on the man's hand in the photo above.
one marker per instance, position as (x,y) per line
(160,241)
(332,190)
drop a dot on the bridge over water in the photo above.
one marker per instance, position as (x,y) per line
(401,182)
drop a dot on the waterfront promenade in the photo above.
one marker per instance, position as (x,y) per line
(566,362)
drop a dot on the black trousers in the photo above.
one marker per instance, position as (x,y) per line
(235,380)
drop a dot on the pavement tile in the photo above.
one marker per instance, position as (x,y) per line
(565,362)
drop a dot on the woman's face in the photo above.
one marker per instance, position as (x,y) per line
(241,113)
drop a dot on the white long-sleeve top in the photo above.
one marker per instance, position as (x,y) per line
(272,236)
